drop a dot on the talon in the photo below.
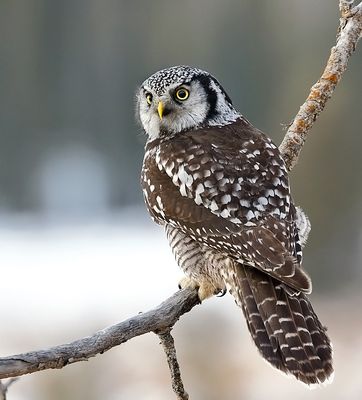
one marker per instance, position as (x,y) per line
(187,282)
(221,292)
(204,289)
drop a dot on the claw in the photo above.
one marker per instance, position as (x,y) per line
(221,292)
(205,289)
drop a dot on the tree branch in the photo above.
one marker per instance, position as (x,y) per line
(5,386)
(168,345)
(349,33)
(345,7)
(161,319)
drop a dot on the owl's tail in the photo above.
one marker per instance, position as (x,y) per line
(284,327)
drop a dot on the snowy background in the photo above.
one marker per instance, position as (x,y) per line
(62,281)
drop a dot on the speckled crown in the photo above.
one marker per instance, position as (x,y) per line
(162,79)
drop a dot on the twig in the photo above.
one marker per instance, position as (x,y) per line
(160,318)
(168,345)
(349,33)
(5,386)
(345,7)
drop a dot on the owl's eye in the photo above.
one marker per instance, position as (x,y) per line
(149,98)
(182,94)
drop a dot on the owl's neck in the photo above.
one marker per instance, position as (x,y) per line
(221,111)
(225,117)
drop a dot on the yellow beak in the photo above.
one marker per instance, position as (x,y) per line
(160,109)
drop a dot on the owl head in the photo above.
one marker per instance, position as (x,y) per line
(182,98)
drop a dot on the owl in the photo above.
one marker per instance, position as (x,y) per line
(220,189)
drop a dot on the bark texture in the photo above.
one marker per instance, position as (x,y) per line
(159,319)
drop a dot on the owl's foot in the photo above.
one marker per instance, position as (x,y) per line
(205,289)
(221,292)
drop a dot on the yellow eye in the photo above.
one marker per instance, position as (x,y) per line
(149,98)
(182,94)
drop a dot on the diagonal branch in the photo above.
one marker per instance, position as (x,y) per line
(349,33)
(160,318)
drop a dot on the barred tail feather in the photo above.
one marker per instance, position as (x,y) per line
(284,327)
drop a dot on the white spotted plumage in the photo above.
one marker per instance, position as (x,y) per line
(220,188)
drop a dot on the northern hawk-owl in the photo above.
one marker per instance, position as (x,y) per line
(220,188)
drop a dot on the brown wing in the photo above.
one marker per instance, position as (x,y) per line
(227,187)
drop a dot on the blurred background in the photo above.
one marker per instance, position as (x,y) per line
(77,249)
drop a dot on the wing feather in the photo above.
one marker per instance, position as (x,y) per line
(228,188)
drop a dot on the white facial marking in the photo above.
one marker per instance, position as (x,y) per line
(225,114)
(181,116)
